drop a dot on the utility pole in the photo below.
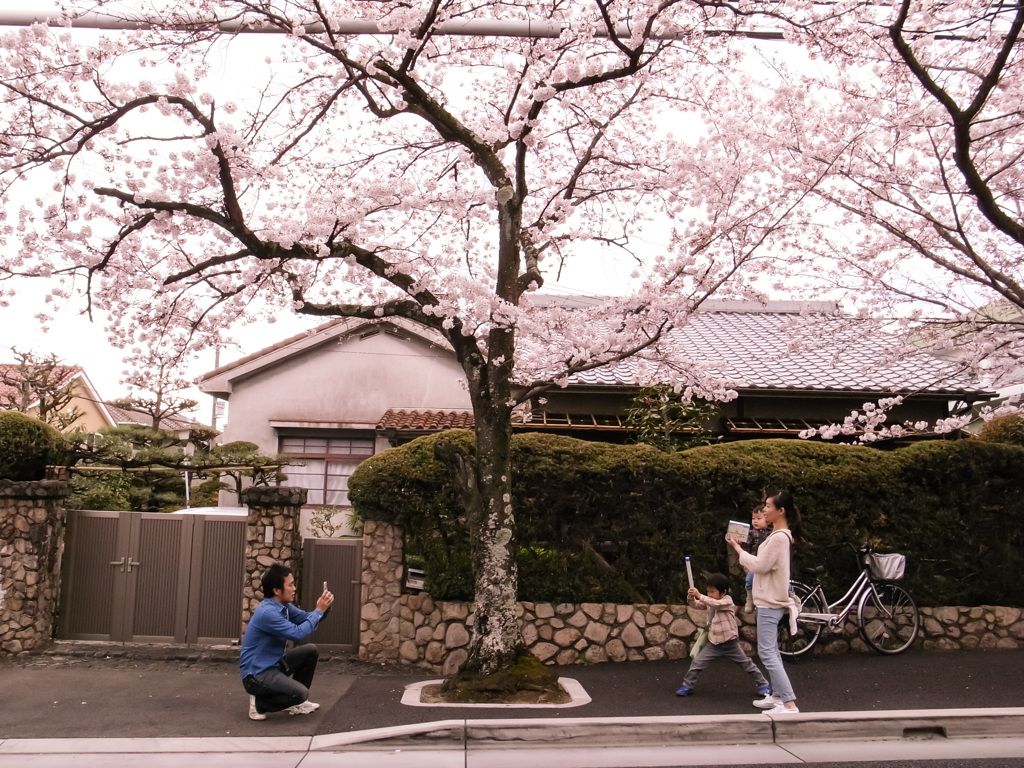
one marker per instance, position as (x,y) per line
(216,401)
(243,24)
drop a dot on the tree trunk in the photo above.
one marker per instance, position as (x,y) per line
(486,484)
(496,639)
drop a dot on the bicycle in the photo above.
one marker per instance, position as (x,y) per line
(887,615)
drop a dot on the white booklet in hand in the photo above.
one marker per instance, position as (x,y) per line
(737,531)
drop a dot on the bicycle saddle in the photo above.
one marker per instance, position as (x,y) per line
(815,571)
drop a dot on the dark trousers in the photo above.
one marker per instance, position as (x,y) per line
(730,649)
(288,683)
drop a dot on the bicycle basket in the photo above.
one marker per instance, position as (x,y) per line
(886,567)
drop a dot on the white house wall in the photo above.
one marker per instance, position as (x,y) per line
(347,383)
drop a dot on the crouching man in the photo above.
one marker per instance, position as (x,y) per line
(274,678)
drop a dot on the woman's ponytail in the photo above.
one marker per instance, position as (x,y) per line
(783,499)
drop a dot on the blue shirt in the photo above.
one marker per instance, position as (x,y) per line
(272,625)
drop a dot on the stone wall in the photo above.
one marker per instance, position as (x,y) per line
(985,626)
(31,529)
(381,595)
(277,507)
(416,629)
(434,634)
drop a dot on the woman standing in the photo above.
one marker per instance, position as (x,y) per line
(770,567)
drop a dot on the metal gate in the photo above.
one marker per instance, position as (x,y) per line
(339,562)
(151,577)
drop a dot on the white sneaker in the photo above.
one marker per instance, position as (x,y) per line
(768,702)
(253,714)
(304,708)
(782,709)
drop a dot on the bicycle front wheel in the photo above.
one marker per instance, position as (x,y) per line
(888,618)
(807,633)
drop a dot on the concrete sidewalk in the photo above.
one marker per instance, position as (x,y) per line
(78,703)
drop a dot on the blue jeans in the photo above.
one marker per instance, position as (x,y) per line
(287,684)
(768,650)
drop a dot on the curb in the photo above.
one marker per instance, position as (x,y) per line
(155,746)
(687,730)
(756,730)
(900,724)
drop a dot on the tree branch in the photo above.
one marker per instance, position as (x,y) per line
(962,120)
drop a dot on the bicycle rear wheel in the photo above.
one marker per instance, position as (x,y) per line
(807,633)
(888,618)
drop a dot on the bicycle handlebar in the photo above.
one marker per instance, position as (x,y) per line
(860,551)
(858,548)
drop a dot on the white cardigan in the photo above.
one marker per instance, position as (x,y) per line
(770,567)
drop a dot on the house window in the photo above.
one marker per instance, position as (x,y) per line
(329,462)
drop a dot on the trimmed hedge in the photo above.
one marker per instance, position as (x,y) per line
(27,445)
(955,508)
(1003,429)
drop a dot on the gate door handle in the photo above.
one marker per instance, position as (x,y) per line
(120,563)
(131,563)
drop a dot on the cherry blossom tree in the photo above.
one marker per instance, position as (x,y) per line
(906,118)
(920,109)
(442,178)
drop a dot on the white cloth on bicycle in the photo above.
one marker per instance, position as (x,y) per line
(770,567)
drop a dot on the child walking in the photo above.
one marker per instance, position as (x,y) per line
(759,531)
(723,635)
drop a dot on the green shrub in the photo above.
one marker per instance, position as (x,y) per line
(1003,429)
(599,522)
(102,490)
(27,445)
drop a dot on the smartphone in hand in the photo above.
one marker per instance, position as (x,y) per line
(329,606)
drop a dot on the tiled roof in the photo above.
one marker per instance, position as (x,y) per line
(773,350)
(755,346)
(425,421)
(128,416)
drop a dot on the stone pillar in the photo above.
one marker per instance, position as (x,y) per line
(31,529)
(379,639)
(279,508)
